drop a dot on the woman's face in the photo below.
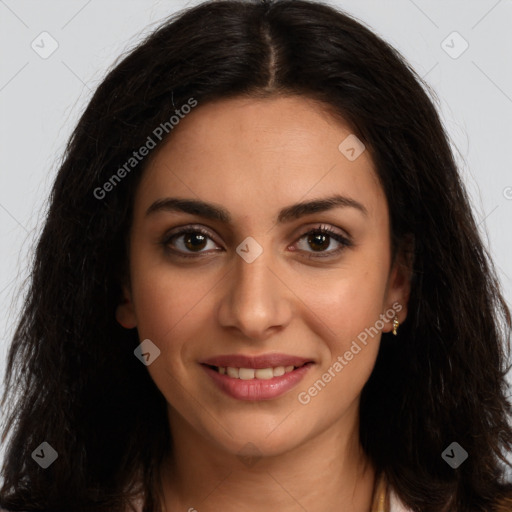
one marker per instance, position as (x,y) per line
(253,282)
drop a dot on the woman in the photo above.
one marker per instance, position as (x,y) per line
(259,286)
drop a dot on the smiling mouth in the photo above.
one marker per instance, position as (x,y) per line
(254,373)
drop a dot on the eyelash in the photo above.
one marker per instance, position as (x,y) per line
(325,230)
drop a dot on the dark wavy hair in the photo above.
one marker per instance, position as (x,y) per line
(72,379)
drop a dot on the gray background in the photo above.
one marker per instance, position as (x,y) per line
(42,98)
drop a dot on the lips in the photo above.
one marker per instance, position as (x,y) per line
(248,378)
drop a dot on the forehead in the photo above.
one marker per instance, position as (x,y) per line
(260,154)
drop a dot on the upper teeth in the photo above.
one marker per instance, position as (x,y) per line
(252,373)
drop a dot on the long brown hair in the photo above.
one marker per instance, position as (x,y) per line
(72,379)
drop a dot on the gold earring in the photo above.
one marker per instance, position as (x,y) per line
(396,323)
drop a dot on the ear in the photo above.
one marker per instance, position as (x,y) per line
(399,283)
(125,312)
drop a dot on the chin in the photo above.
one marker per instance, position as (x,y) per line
(261,439)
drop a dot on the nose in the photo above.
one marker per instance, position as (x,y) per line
(256,302)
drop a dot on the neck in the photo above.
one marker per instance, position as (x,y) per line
(327,472)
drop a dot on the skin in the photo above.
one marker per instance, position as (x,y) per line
(254,157)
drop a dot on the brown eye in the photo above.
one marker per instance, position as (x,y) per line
(193,241)
(320,239)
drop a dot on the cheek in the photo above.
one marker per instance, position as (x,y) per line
(351,307)
(352,311)
(351,303)
(168,302)
(172,311)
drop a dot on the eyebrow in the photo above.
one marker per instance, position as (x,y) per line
(214,212)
